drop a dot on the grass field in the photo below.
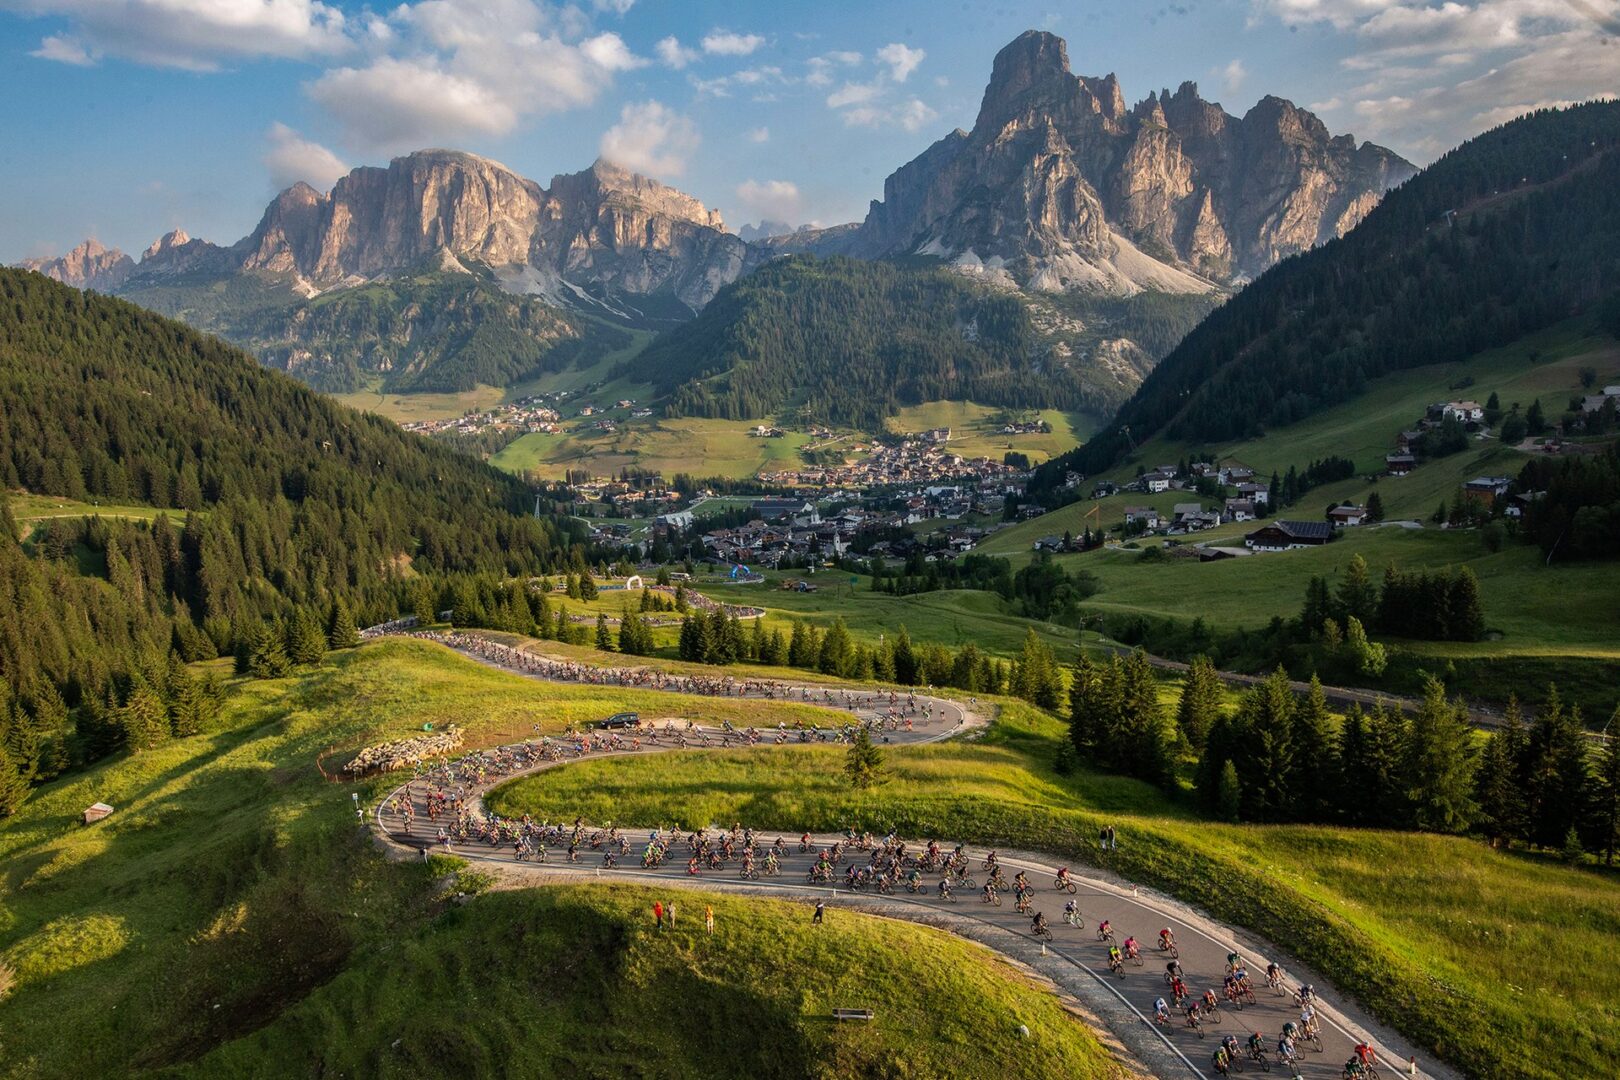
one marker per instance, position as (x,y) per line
(1481,955)
(701,447)
(232,897)
(951,617)
(574,981)
(976,429)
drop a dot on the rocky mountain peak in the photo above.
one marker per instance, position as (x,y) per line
(88,266)
(1061,186)
(170,240)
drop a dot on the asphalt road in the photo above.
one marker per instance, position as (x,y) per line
(1173,1051)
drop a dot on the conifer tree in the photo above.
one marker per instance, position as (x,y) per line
(1266,767)
(13,785)
(1467,621)
(1229,794)
(1498,786)
(1087,704)
(422,602)
(1143,748)
(1440,763)
(904,659)
(341,631)
(1357,597)
(836,649)
(143,717)
(604,636)
(1200,703)
(1316,757)
(863,763)
(306,644)
(1604,813)
(267,659)
(1556,774)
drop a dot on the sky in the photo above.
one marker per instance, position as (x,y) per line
(127,118)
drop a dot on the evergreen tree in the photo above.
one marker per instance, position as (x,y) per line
(1498,790)
(1357,597)
(1088,709)
(422,602)
(306,644)
(13,785)
(1229,794)
(1556,775)
(837,650)
(1375,506)
(1316,754)
(267,658)
(1467,622)
(1200,703)
(1604,813)
(587,587)
(144,718)
(341,631)
(1440,764)
(1374,774)
(904,659)
(1035,674)
(604,636)
(1370,657)
(185,698)
(776,650)
(1144,748)
(863,763)
(1266,767)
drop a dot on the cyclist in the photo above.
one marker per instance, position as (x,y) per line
(1273,974)
(1113,958)
(1037,925)
(1365,1054)
(1307,994)
(1063,877)
(1131,948)
(1167,939)
(1071,913)
(1257,1045)
(1285,1050)
(1105,930)
(1233,961)
(1178,989)
(1221,1061)
(1191,1009)
(1021,881)
(1212,1003)
(1353,1068)
(1307,1018)
(1161,1011)
(1172,970)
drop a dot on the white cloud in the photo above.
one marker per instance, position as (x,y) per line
(902,60)
(770,200)
(674,54)
(758,135)
(913,114)
(651,138)
(198,35)
(726,43)
(616,7)
(1233,76)
(1436,72)
(290,158)
(853,94)
(450,69)
(64,50)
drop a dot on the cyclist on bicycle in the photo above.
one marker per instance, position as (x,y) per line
(1105,929)
(1071,913)
(1131,948)
(1221,1061)
(1161,1011)
(1233,961)
(1365,1054)
(1257,1044)
(1167,939)
(1273,974)
(1211,1002)
(1178,989)
(1353,1068)
(1063,877)
(1173,969)
(1113,957)
(1037,925)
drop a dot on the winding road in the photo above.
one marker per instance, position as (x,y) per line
(1074,958)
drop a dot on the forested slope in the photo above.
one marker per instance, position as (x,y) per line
(1508,233)
(850,342)
(285,504)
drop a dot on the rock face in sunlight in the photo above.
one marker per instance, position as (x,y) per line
(1060,186)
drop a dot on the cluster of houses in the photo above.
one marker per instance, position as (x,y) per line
(1592,403)
(1404,458)
(913,460)
(525,415)
(644,496)
(1026,427)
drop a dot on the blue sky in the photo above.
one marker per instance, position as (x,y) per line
(126,118)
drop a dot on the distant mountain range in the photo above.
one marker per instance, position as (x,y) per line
(1059,193)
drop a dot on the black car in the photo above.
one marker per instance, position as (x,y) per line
(620,720)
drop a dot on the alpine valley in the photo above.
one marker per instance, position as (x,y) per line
(1065,244)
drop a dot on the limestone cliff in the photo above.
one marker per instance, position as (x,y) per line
(1060,186)
(88,266)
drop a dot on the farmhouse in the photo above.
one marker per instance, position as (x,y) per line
(1347,516)
(1287,535)
(1488,488)
(1399,464)
(1156,482)
(1239,510)
(1259,494)
(800,511)
(1146,516)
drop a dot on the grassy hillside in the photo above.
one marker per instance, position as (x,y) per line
(1410,925)
(976,429)
(700,447)
(231,897)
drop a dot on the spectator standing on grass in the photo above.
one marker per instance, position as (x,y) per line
(708,918)
(658,914)
(669,913)
(821,906)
